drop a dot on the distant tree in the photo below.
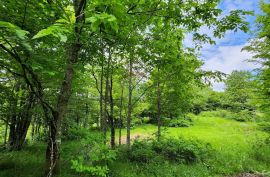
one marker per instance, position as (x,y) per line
(206,99)
(239,88)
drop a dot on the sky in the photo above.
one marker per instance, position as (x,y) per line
(226,55)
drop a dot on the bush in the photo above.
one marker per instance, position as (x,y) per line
(176,150)
(165,121)
(95,162)
(244,116)
(141,151)
(179,123)
(75,134)
(136,121)
(146,120)
(261,150)
(181,150)
(264,126)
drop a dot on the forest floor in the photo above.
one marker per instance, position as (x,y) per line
(235,142)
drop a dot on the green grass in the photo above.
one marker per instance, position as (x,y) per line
(233,143)
(232,140)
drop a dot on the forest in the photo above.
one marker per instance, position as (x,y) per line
(120,88)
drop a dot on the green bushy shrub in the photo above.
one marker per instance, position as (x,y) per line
(95,161)
(264,126)
(75,134)
(142,152)
(182,150)
(136,121)
(261,150)
(165,121)
(176,150)
(146,120)
(179,123)
(244,116)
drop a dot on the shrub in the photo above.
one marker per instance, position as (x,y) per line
(264,126)
(181,150)
(146,120)
(176,150)
(261,150)
(75,134)
(96,161)
(165,121)
(179,123)
(141,151)
(136,121)
(244,116)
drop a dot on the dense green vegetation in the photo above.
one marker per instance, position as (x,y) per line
(225,147)
(109,88)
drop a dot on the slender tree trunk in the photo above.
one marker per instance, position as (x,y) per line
(112,123)
(77,120)
(120,116)
(24,124)
(101,114)
(158,108)
(129,100)
(86,115)
(52,152)
(13,117)
(6,130)
(21,124)
(33,131)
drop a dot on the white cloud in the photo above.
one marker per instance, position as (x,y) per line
(229,5)
(226,59)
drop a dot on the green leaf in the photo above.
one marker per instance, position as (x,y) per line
(7,25)
(42,33)
(21,33)
(63,38)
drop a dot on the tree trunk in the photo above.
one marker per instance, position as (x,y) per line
(120,116)
(111,107)
(158,108)
(24,124)
(20,124)
(52,152)
(6,129)
(13,117)
(101,113)
(129,101)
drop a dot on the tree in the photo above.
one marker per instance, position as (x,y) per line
(260,47)
(53,39)
(239,90)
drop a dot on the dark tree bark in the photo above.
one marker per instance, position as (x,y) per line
(6,130)
(158,108)
(101,113)
(111,116)
(129,101)
(120,116)
(53,152)
(20,124)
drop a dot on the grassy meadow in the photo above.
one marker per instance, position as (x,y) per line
(236,148)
